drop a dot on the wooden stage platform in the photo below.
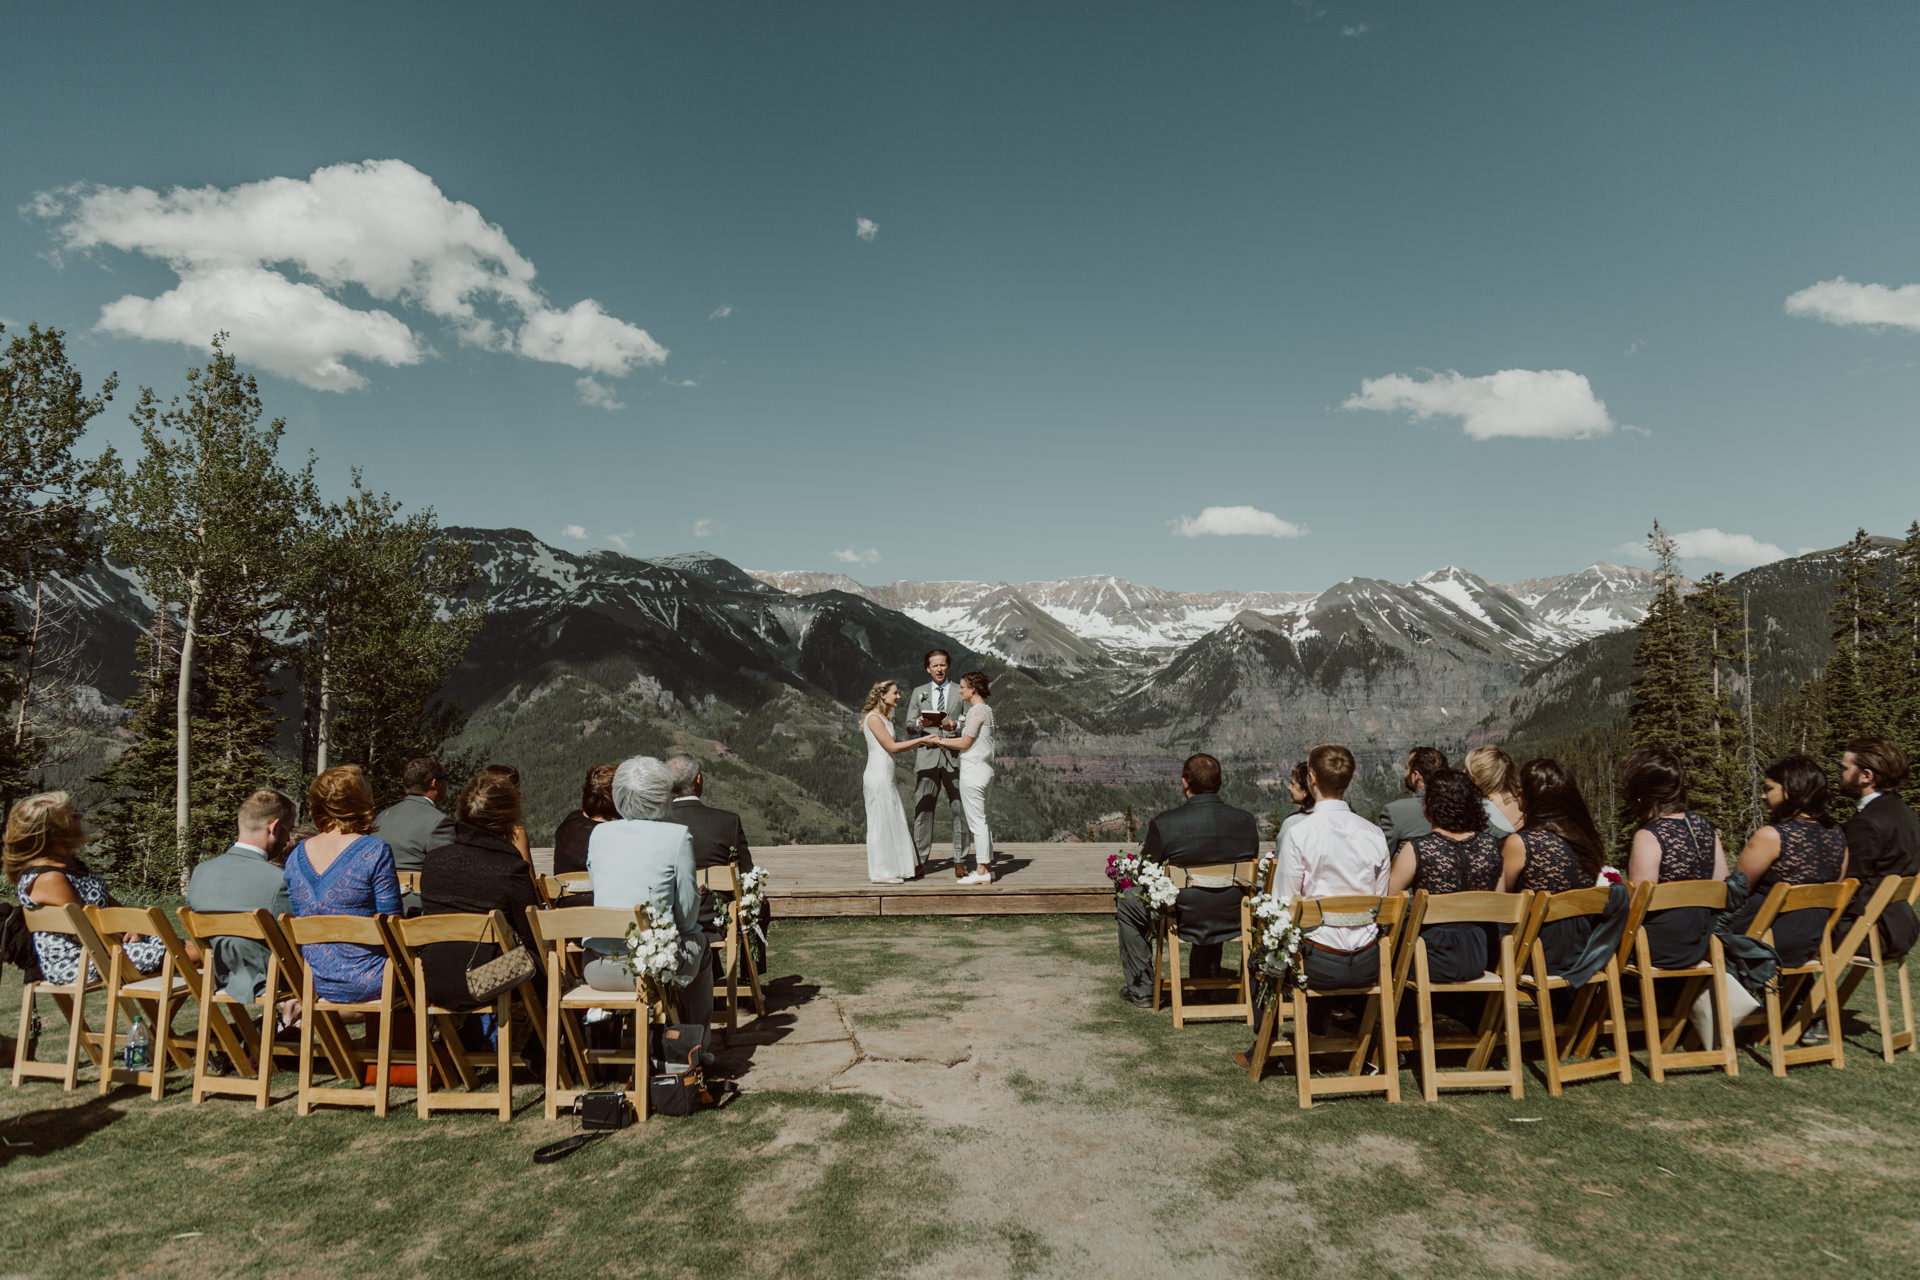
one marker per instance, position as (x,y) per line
(816,880)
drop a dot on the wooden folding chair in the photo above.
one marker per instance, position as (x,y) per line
(1166,949)
(1791,980)
(558,931)
(157,998)
(366,931)
(1851,969)
(412,934)
(236,1035)
(409,881)
(69,998)
(1560,1040)
(1500,987)
(232,1019)
(555,890)
(730,948)
(1662,1034)
(1376,1019)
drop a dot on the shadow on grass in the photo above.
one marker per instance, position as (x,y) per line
(41,1133)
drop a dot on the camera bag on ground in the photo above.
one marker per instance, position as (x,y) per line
(679,1084)
(598,1114)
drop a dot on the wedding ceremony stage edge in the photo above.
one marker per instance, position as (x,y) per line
(809,881)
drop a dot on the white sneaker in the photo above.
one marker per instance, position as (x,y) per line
(977,877)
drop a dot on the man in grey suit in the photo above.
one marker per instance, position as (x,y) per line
(1406,819)
(936,771)
(249,875)
(416,826)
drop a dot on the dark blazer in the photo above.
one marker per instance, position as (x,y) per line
(570,842)
(1883,840)
(1205,829)
(715,833)
(478,871)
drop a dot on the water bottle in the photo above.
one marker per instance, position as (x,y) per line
(138,1055)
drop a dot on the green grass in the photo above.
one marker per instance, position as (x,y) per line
(1107,1143)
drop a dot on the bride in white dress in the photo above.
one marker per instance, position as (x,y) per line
(890,855)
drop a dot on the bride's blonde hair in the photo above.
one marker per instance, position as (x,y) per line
(874,695)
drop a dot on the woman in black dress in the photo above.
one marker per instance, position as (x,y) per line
(1556,850)
(480,871)
(1801,845)
(1460,855)
(596,807)
(1670,842)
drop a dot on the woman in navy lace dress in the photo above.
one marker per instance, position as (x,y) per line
(343,871)
(1460,855)
(1801,845)
(1670,843)
(1556,850)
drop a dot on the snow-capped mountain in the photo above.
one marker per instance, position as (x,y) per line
(1598,599)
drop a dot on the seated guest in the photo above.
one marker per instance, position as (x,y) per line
(1203,830)
(1556,850)
(1460,855)
(42,859)
(1670,842)
(1800,844)
(596,807)
(249,876)
(343,871)
(416,824)
(1883,838)
(718,836)
(1302,797)
(1493,771)
(480,871)
(512,775)
(1404,819)
(642,860)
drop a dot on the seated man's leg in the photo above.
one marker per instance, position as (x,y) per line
(1135,921)
(1205,960)
(1330,971)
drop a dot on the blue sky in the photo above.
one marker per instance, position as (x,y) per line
(1384,286)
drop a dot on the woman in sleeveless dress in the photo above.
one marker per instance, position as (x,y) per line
(42,856)
(1801,845)
(1460,855)
(343,871)
(1556,850)
(890,855)
(975,745)
(1670,842)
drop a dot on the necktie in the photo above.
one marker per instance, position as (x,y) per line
(940,697)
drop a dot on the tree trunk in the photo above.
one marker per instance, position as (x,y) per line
(26,679)
(321,755)
(182,722)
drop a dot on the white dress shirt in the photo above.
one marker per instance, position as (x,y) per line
(1333,851)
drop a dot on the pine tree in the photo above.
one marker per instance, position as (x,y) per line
(1903,652)
(1720,784)
(1855,682)
(44,496)
(206,520)
(136,827)
(1669,702)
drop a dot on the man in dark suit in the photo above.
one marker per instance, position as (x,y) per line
(250,875)
(416,826)
(1203,830)
(718,836)
(1406,819)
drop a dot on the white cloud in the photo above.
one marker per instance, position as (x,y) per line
(1359,30)
(596,394)
(621,540)
(866,228)
(721,312)
(576,532)
(1544,404)
(1236,522)
(678,382)
(706,527)
(1634,346)
(1735,550)
(854,555)
(1841,301)
(267,261)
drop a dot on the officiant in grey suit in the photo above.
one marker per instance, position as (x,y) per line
(936,772)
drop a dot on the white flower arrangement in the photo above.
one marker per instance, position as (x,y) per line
(753,893)
(654,953)
(1278,955)
(1131,871)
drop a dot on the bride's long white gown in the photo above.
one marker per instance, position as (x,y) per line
(889,845)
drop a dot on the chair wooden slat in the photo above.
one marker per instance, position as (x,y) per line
(558,931)
(1169,980)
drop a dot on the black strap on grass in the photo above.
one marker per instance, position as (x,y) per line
(555,1151)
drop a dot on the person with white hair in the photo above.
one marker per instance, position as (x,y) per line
(641,860)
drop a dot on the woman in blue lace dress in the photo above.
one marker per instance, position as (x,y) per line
(343,871)
(1556,850)
(1670,843)
(1460,855)
(1801,845)
(42,859)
